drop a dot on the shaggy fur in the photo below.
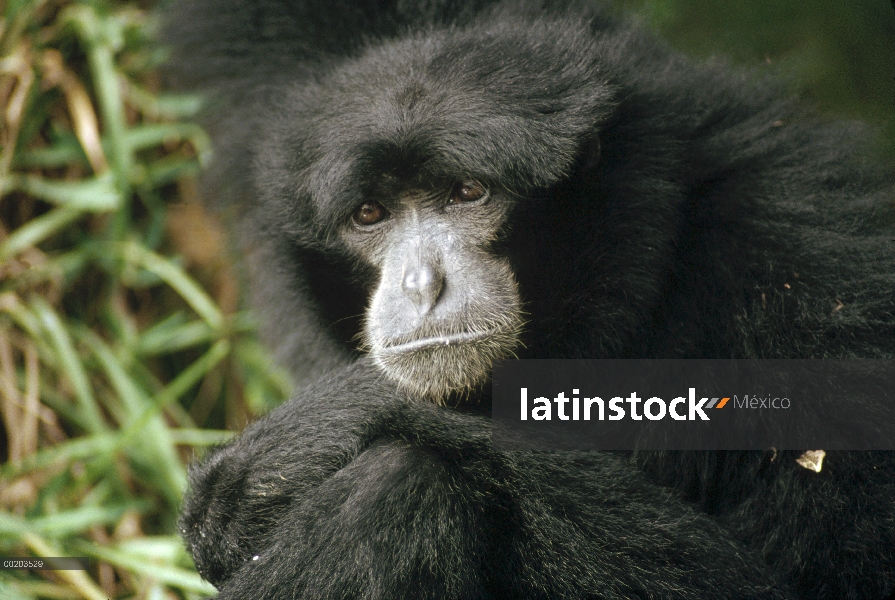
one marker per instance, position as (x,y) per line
(661,209)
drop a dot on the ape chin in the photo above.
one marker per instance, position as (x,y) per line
(420,189)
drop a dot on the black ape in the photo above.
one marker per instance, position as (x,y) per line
(424,187)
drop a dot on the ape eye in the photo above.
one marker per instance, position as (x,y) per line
(468,191)
(369,213)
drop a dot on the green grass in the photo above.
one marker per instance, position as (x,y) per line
(122,351)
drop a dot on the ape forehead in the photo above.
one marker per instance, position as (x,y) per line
(487,103)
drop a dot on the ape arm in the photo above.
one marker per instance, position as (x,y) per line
(351,490)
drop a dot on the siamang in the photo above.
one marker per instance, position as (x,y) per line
(421,188)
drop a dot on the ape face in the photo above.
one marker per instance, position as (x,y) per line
(412,160)
(445,305)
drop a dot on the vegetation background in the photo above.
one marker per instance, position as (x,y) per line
(124,346)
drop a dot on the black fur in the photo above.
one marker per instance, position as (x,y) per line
(665,209)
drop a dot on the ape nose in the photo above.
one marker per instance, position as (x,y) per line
(422,284)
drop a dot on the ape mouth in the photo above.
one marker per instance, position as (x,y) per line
(439,341)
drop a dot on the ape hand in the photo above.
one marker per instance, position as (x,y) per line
(242,489)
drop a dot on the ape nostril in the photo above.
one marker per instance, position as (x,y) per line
(422,285)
